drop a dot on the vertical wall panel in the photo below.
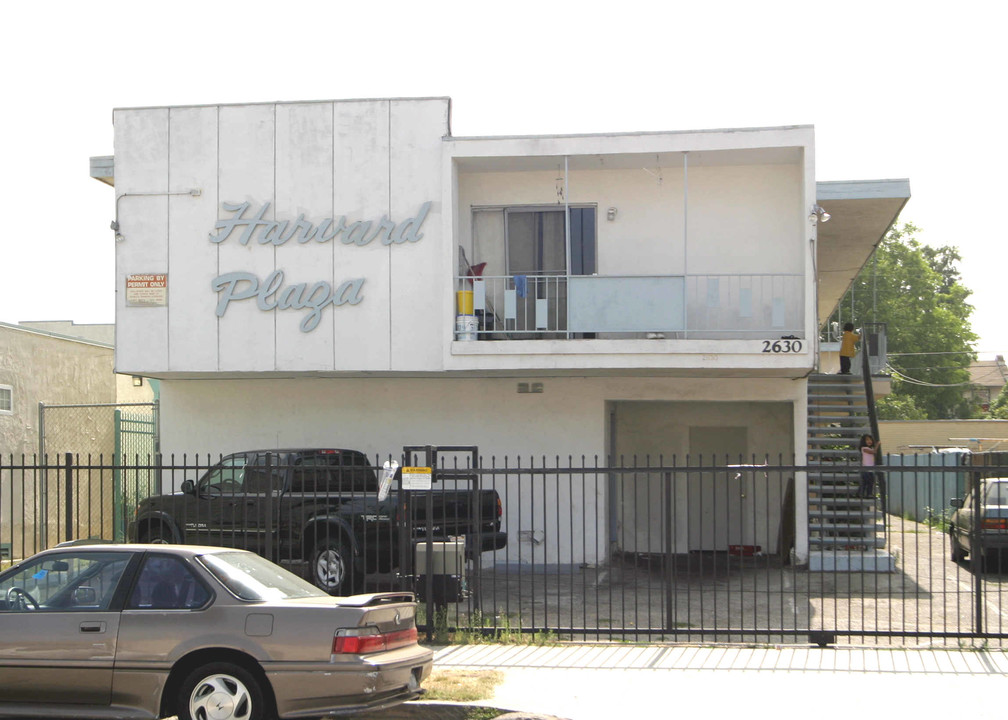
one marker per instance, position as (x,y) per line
(418,327)
(141,148)
(304,185)
(361,193)
(192,258)
(246,173)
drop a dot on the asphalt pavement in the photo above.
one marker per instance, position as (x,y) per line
(585,682)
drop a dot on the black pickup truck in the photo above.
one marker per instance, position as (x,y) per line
(318,512)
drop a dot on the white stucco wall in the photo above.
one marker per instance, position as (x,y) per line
(569,419)
(740,207)
(741,219)
(362,160)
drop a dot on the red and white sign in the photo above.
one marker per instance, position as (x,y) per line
(147,290)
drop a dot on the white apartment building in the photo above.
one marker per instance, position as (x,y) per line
(349,274)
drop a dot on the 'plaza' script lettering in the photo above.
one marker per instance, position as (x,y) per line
(278,232)
(273,295)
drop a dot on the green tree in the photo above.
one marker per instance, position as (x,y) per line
(917,292)
(999,408)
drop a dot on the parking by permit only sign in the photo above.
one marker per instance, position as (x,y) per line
(147,290)
(416,478)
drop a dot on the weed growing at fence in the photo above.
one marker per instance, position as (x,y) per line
(939,520)
(478,628)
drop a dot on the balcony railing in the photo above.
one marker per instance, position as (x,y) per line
(523,307)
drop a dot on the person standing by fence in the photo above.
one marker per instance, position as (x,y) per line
(848,347)
(868,450)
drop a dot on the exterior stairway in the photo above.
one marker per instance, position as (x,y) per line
(846,533)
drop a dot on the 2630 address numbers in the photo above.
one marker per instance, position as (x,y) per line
(782,346)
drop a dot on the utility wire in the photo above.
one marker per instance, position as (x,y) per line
(913,381)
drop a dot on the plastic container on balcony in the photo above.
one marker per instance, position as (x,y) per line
(466,327)
(464,300)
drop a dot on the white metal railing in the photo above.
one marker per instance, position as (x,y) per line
(511,307)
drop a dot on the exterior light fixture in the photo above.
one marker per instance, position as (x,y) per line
(137,381)
(818,213)
(611,214)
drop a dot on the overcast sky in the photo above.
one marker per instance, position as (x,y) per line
(894,90)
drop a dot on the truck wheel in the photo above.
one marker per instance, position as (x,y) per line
(158,535)
(332,567)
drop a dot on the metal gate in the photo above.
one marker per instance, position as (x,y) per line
(137,440)
(105,439)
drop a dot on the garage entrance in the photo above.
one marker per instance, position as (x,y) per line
(718,505)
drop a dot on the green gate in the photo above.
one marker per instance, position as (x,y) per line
(137,460)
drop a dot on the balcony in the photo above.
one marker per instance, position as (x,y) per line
(552,307)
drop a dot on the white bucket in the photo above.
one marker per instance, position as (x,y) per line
(466,327)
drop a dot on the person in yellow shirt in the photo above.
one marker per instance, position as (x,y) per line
(847,347)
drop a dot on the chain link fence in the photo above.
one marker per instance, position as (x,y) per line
(100,437)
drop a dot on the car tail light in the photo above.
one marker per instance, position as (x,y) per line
(361,641)
(994,524)
(500,509)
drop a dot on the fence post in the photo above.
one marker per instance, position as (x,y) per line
(668,556)
(269,507)
(68,489)
(977,555)
(429,518)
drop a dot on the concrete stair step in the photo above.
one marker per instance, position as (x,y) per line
(851,561)
(845,420)
(844,543)
(826,440)
(845,431)
(835,379)
(815,455)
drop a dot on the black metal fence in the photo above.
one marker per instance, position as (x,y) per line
(634,549)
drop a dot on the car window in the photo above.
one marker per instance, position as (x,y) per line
(71,581)
(166,583)
(226,478)
(250,577)
(997,494)
(262,478)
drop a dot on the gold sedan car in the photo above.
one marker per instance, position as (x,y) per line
(148,631)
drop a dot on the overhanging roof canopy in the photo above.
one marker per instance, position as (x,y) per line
(861,213)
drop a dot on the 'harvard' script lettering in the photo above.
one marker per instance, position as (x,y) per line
(278,232)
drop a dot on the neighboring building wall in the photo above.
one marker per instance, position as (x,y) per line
(988,377)
(921,436)
(103,333)
(127,391)
(53,370)
(40,367)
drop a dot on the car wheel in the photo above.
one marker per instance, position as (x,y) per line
(957,553)
(332,567)
(220,691)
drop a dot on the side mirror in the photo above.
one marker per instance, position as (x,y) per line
(188,487)
(956,502)
(85,595)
